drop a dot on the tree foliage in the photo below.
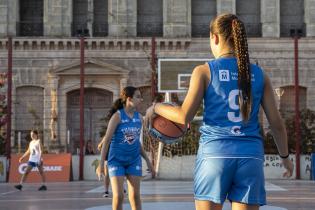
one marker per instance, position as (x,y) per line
(307,126)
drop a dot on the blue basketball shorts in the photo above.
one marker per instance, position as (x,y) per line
(33,164)
(116,168)
(236,179)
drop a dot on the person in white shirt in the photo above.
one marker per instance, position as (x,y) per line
(35,160)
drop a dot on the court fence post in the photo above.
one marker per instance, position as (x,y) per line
(313,166)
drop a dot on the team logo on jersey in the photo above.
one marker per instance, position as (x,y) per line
(224,75)
(130,134)
(236,130)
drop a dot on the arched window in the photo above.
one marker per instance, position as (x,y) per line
(202,11)
(100,24)
(291,17)
(31,18)
(150,18)
(249,12)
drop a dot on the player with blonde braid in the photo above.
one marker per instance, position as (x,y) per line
(229,163)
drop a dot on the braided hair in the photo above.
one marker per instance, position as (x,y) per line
(233,31)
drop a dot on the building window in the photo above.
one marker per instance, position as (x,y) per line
(31,18)
(287,99)
(291,19)
(150,18)
(249,12)
(100,23)
(202,11)
(79,23)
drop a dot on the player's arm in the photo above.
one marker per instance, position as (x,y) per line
(112,125)
(27,152)
(276,123)
(184,114)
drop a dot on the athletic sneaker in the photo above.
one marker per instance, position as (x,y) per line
(106,194)
(19,187)
(42,188)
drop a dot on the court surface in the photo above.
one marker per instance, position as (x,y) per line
(156,195)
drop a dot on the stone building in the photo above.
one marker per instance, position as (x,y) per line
(46,65)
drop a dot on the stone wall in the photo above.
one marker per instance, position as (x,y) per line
(37,61)
(122,17)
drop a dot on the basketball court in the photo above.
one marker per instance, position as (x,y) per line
(156,195)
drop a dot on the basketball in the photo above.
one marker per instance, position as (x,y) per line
(166,131)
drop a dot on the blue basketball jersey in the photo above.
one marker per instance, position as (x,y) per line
(224,133)
(125,144)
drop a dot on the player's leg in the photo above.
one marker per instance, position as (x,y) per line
(207,205)
(117,183)
(134,174)
(106,181)
(134,191)
(42,174)
(243,206)
(24,176)
(27,171)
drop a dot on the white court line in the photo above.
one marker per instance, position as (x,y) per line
(174,188)
(272,187)
(6,193)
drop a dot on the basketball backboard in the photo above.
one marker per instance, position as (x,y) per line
(174,74)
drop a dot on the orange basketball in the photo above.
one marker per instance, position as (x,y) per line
(166,131)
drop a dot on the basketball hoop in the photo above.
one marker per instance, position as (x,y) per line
(279,92)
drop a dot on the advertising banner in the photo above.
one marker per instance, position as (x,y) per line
(56,168)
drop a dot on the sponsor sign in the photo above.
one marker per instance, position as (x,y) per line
(56,168)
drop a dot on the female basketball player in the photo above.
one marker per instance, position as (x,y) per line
(125,150)
(35,160)
(230,159)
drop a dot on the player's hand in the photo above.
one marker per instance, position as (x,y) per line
(288,165)
(21,159)
(102,173)
(99,146)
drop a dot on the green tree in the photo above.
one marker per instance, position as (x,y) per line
(307,126)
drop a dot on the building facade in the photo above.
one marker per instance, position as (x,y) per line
(46,53)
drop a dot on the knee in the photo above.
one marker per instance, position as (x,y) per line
(134,196)
(119,197)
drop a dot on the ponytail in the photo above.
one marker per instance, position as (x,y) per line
(121,101)
(118,104)
(244,73)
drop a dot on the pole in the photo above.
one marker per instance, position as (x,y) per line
(9,100)
(19,142)
(160,148)
(297,108)
(81,107)
(153,68)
